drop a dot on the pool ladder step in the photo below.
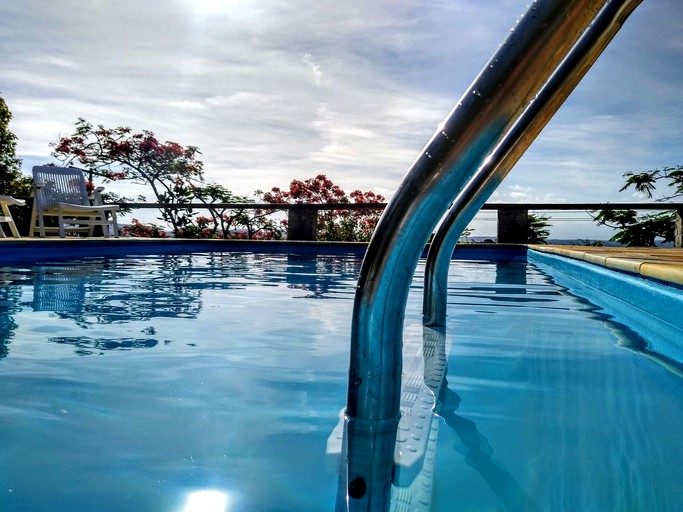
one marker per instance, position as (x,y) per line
(425,355)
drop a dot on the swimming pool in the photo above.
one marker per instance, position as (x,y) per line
(212,381)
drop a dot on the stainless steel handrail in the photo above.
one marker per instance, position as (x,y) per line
(499,163)
(477,124)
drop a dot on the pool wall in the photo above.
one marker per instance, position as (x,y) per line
(40,250)
(629,295)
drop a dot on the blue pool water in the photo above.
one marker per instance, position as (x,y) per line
(211,382)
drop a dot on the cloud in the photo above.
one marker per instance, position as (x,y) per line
(315,68)
(187,105)
(55,61)
(241,99)
(518,194)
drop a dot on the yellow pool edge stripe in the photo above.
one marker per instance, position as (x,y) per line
(665,264)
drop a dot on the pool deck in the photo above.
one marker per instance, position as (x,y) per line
(664,264)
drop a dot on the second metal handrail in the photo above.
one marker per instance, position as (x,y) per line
(499,163)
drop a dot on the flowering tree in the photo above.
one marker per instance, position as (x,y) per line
(341,224)
(170,170)
(138,229)
(175,176)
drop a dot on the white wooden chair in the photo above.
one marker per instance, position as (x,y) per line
(5,203)
(60,192)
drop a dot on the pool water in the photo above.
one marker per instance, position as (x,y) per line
(211,382)
(552,404)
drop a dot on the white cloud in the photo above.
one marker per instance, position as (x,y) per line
(307,59)
(519,194)
(57,61)
(187,105)
(241,98)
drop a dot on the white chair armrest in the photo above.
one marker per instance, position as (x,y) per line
(96,196)
(9,200)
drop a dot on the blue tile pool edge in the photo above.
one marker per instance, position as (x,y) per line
(629,295)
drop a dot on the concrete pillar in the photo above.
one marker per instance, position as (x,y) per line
(302,223)
(513,226)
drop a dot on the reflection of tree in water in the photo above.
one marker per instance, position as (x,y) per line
(86,346)
(320,275)
(117,291)
(9,305)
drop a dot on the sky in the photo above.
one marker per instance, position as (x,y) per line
(277,90)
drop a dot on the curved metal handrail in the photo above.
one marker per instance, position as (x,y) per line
(499,163)
(493,103)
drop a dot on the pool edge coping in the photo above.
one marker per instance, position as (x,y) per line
(655,263)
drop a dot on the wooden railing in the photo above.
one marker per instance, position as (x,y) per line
(512,217)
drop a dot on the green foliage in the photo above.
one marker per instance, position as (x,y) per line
(646,182)
(648,229)
(12,182)
(175,176)
(589,243)
(638,230)
(229,222)
(464,236)
(536,230)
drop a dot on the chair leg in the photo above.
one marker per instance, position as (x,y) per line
(41,226)
(34,215)
(7,217)
(10,222)
(114,224)
(60,221)
(13,229)
(105,226)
